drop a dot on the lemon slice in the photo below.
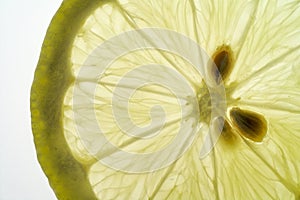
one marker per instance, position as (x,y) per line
(126,99)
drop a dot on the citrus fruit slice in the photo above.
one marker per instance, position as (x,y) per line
(122,100)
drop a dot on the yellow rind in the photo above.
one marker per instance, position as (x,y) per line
(52,78)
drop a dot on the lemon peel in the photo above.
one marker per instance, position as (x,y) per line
(263,78)
(66,176)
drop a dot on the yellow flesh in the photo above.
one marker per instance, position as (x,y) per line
(264,79)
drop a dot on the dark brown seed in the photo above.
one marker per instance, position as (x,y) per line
(249,124)
(223,59)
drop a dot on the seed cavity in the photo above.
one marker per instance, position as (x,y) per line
(223,58)
(227,133)
(249,124)
(228,138)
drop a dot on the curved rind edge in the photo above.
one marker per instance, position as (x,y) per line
(67,177)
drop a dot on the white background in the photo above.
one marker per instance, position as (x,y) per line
(23,25)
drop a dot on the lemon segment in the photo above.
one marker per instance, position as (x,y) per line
(130,15)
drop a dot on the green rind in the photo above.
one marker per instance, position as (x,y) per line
(52,78)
